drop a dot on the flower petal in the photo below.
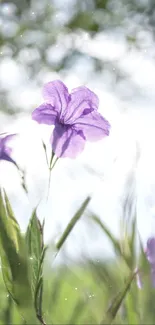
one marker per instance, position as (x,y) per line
(5,156)
(150,250)
(7,138)
(93,126)
(5,151)
(67,142)
(4,140)
(45,114)
(82,100)
(56,94)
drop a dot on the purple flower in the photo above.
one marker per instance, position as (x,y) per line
(74,115)
(150,255)
(5,150)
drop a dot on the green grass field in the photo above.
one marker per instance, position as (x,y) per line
(82,294)
(85,292)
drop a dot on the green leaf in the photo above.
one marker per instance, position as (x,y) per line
(72,223)
(14,226)
(14,263)
(116,244)
(7,313)
(113,240)
(132,241)
(131,304)
(39,284)
(34,240)
(76,312)
(117,301)
(36,252)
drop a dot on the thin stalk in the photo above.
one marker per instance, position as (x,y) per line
(45,150)
(50,170)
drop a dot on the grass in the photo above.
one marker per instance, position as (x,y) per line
(81,294)
(86,292)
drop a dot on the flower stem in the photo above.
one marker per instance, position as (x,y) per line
(22,177)
(50,170)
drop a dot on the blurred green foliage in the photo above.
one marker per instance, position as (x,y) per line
(43,36)
(81,295)
(89,291)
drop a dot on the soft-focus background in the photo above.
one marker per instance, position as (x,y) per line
(108,46)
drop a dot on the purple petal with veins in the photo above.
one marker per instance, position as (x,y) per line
(74,115)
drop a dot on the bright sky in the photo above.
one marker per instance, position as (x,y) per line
(111,159)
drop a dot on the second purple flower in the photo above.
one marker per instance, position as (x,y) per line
(74,115)
(5,150)
(150,255)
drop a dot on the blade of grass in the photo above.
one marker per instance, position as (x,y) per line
(117,301)
(108,233)
(72,223)
(112,238)
(131,303)
(15,266)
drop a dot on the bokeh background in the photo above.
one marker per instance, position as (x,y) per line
(108,46)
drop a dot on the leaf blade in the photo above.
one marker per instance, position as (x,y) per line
(72,223)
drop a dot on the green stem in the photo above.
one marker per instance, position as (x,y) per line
(50,170)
